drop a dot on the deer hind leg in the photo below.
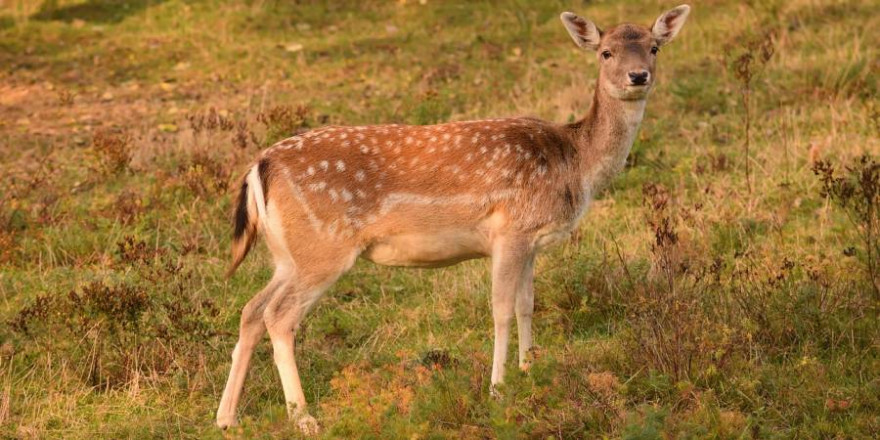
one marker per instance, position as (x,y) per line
(510,259)
(285,312)
(250,332)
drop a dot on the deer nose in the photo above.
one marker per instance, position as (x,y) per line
(638,77)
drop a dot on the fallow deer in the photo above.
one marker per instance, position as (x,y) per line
(432,196)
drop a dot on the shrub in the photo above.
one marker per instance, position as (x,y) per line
(117,331)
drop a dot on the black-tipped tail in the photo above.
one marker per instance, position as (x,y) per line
(245,233)
(254,189)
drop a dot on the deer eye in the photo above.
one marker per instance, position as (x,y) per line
(654,50)
(606,54)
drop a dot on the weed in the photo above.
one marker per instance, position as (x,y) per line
(857,192)
(38,310)
(205,175)
(7,244)
(11,224)
(747,60)
(716,163)
(109,316)
(65,97)
(284,121)
(212,120)
(112,151)
(244,136)
(127,207)
(669,315)
(437,358)
(132,251)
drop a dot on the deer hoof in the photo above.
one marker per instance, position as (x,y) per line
(307,424)
(493,391)
(224,422)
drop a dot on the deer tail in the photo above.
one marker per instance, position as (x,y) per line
(250,212)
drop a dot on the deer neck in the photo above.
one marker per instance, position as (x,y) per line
(605,136)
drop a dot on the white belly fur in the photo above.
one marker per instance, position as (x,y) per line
(430,249)
(445,247)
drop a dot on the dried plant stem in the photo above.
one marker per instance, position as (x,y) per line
(746,97)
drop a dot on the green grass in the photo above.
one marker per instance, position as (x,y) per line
(763,326)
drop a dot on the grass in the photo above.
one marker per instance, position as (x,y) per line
(690,303)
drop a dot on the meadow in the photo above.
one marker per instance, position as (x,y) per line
(726,285)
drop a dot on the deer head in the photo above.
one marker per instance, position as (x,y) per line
(627,53)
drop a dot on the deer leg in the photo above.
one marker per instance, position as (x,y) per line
(525,305)
(282,316)
(510,257)
(251,330)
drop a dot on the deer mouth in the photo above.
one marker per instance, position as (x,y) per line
(630,92)
(637,87)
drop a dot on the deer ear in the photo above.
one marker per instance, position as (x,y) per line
(584,32)
(669,23)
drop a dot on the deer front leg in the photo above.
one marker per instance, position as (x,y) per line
(510,259)
(525,305)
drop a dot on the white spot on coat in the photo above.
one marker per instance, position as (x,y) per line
(346,196)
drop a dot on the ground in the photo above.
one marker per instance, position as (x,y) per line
(724,286)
